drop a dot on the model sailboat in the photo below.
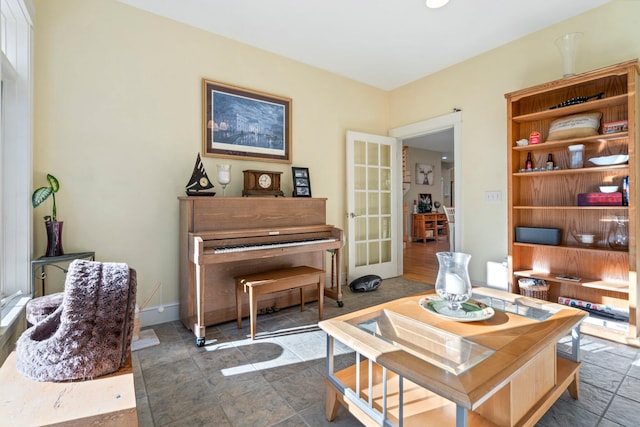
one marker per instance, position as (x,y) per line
(199,182)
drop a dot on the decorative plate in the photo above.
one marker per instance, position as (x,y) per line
(610,160)
(472,311)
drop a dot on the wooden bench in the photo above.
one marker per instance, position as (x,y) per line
(276,281)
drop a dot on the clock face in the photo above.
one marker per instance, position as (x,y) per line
(204,181)
(264,181)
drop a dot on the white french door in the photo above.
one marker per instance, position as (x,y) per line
(374,225)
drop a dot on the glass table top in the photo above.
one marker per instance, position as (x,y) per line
(520,306)
(440,348)
(445,350)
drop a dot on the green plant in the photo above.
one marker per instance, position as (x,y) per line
(43,193)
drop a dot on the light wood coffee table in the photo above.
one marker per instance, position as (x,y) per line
(107,401)
(414,367)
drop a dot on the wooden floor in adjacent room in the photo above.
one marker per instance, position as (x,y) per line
(420,261)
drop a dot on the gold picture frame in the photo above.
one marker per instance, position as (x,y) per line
(245,124)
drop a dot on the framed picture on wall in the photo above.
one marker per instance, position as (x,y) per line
(245,124)
(424,174)
(424,203)
(301,182)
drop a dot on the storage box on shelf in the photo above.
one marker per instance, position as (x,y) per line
(548,198)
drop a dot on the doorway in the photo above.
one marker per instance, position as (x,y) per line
(446,130)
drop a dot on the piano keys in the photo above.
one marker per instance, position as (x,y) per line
(221,238)
(247,248)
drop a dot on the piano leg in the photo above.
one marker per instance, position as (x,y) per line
(335,291)
(199,328)
(336,261)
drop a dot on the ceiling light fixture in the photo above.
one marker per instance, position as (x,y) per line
(434,4)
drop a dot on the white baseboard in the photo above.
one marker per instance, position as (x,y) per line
(153,315)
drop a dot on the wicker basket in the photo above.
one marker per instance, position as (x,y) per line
(534,288)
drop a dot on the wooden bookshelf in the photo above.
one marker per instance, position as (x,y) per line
(548,198)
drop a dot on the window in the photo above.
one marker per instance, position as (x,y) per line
(15,155)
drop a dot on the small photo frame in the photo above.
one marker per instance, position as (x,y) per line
(424,203)
(301,182)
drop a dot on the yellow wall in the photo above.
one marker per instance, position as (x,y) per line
(477,86)
(118,122)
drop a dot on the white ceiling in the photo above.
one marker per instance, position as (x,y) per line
(383,43)
(441,141)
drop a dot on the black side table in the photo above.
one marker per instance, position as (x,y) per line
(43,261)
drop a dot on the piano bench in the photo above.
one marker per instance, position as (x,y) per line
(275,281)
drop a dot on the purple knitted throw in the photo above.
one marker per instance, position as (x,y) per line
(89,335)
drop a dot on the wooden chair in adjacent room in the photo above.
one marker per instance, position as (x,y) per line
(450,212)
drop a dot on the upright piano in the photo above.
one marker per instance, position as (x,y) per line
(223,237)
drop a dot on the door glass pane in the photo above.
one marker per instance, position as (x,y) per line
(360,177)
(374,228)
(359,153)
(374,204)
(374,252)
(361,254)
(361,229)
(372,154)
(385,251)
(360,203)
(385,203)
(372,179)
(385,179)
(385,227)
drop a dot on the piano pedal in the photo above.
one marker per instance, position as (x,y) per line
(268,310)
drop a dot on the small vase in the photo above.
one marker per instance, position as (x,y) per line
(224,176)
(619,234)
(452,283)
(54,238)
(568,46)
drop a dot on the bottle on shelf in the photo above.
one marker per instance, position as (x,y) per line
(550,162)
(529,164)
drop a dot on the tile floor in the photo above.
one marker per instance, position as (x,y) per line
(277,380)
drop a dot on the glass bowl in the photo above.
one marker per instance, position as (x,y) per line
(586,240)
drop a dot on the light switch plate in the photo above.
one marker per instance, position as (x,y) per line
(493,196)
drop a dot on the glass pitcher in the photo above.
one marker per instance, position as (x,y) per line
(452,283)
(619,234)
